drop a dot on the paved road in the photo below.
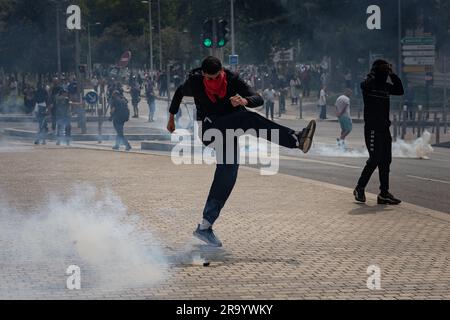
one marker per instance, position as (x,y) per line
(281,239)
(422,182)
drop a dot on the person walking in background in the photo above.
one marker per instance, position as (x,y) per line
(135,92)
(41,112)
(269,99)
(63,117)
(376,94)
(151,100)
(348,79)
(119,115)
(344,117)
(282,94)
(295,86)
(323,103)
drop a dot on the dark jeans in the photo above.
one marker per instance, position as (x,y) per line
(120,139)
(323,112)
(282,108)
(226,172)
(63,129)
(42,128)
(379,144)
(269,108)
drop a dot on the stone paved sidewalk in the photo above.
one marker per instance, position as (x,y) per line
(284,237)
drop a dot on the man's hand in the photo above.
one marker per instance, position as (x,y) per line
(171,124)
(238,101)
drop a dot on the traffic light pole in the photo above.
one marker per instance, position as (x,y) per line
(214,49)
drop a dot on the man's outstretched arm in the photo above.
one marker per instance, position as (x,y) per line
(182,91)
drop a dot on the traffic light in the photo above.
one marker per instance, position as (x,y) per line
(208,33)
(222,33)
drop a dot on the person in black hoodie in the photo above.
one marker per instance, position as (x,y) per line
(221,98)
(376,94)
(119,115)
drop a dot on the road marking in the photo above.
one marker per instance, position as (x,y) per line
(429,179)
(328,163)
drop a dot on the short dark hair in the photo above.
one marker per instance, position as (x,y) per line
(211,65)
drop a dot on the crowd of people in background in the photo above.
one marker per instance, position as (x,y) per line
(54,98)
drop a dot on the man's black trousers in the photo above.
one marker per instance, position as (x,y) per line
(379,145)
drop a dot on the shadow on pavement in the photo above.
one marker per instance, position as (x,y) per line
(364,209)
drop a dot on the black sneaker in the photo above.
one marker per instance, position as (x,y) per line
(207,236)
(389,199)
(36,142)
(116,148)
(128,148)
(305,138)
(359,194)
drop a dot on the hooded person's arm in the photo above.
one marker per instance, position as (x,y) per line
(245,91)
(396,88)
(369,82)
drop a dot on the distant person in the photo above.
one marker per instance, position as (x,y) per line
(295,86)
(41,112)
(135,93)
(282,94)
(306,79)
(348,79)
(54,92)
(410,102)
(151,100)
(95,83)
(269,96)
(63,117)
(119,115)
(28,99)
(376,94)
(344,117)
(322,103)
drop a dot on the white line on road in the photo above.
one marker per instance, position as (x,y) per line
(428,179)
(328,163)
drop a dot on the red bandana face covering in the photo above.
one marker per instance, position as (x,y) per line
(216,87)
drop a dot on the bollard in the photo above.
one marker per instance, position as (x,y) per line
(419,121)
(395,127)
(438,131)
(445,121)
(301,106)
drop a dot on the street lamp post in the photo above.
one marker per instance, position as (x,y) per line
(233,45)
(90,49)
(151,32)
(160,41)
(58,38)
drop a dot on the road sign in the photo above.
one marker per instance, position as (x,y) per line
(414,69)
(425,40)
(419,61)
(124,60)
(234,60)
(419,47)
(419,53)
(91,97)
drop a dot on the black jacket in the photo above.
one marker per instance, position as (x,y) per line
(194,87)
(376,94)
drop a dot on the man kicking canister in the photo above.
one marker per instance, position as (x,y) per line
(221,98)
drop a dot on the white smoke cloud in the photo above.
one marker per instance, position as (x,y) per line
(88,229)
(418,149)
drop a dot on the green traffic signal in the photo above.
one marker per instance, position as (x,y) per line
(207,43)
(222,33)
